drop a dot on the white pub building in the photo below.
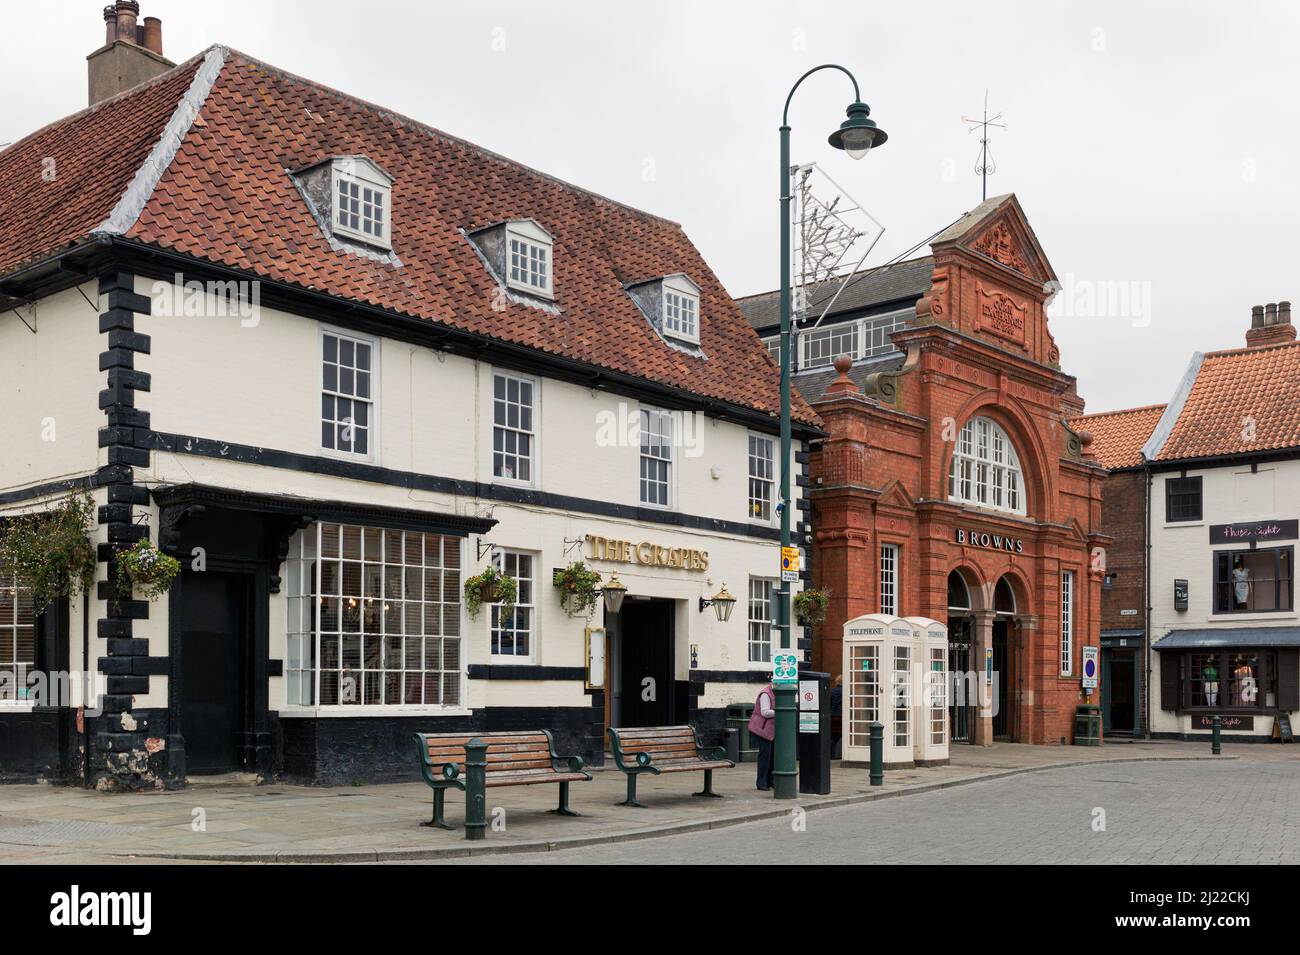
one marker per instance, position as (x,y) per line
(337,363)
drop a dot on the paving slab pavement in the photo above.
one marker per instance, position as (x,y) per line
(225,822)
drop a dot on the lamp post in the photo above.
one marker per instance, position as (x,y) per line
(857,135)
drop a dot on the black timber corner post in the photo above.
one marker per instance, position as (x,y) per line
(128,745)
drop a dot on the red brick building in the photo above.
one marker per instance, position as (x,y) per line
(1117,439)
(950,485)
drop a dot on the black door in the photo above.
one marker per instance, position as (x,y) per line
(645,663)
(961,689)
(1001,716)
(1119,684)
(214,633)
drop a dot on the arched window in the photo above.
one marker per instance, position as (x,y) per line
(985,468)
(958,592)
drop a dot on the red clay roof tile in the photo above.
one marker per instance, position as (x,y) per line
(1118,436)
(1243,400)
(227,197)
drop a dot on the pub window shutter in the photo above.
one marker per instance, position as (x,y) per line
(1288,680)
(1171,690)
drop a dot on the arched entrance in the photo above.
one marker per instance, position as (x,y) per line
(963,687)
(1004,612)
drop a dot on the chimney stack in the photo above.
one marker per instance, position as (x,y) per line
(1270,325)
(132,52)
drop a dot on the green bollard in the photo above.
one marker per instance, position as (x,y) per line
(1216,732)
(476,789)
(877,754)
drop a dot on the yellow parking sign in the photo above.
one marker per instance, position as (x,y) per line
(790,563)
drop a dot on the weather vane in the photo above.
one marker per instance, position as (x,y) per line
(985,166)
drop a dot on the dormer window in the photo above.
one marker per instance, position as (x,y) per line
(519,254)
(672,304)
(351,199)
(681,309)
(529,257)
(361,201)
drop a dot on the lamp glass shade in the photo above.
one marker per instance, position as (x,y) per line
(614,592)
(858,134)
(723,604)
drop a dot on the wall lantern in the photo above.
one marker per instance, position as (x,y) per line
(722,603)
(614,592)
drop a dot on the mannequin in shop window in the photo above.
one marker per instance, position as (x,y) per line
(1243,675)
(1210,674)
(1241,584)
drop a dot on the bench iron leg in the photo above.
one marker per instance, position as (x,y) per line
(631,793)
(563,809)
(708,786)
(437,821)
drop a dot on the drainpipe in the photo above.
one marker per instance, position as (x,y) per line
(1146,594)
(85,686)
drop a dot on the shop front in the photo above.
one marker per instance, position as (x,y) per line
(950,487)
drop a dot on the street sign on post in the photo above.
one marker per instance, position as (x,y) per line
(785,669)
(790,564)
(1090,668)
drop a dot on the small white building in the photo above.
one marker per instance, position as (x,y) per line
(1224,521)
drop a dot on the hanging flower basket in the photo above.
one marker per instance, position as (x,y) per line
(50,551)
(578,586)
(146,571)
(490,587)
(810,607)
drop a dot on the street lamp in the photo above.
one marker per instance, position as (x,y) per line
(857,135)
(614,592)
(722,603)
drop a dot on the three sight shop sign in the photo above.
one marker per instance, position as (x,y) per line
(971,537)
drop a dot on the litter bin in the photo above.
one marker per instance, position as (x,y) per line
(1087,725)
(738,715)
(731,744)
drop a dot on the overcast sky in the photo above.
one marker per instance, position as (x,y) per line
(1154,146)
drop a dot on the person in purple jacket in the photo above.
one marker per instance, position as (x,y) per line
(762,726)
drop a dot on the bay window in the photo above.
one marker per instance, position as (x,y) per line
(374,618)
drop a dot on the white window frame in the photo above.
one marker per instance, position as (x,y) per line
(670,460)
(768,481)
(527,600)
(304,568)
(864,331)
(531,238)
(364,175)
(985,470)
(1067,623)
(759,614)
(14,595)
(533,433)
(372,445)
(889,578)
(676,322)
(773,344)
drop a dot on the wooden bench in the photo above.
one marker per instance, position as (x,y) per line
(664,749)
(513,759)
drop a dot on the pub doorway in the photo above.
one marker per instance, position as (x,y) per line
(1004,612)
(1118,691)
(642,665)
(215,652)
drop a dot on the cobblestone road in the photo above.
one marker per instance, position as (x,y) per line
(1178,812)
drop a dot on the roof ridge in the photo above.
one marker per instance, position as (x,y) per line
(847,275)
(140,189)
(125,94)
(443,134)
(1120,411)
(1251,349)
